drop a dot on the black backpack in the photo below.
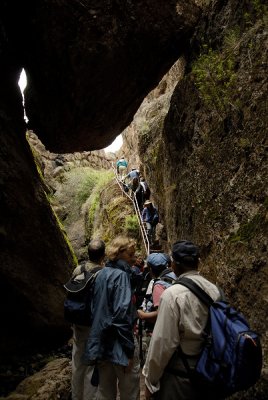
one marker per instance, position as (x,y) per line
(231,359)
(77,304)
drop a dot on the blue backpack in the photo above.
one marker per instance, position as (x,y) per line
(231,358)
(77,304)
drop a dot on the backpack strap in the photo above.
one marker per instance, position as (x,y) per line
(92,271)
(204,298)
(163,273)
(83,268)
(196,289)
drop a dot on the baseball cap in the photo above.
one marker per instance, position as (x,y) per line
(184,250)
(157,261)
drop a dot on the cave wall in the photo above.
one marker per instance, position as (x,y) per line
(35,258)
(208,156)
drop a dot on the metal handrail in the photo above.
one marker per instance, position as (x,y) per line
(144,235)
(143,231)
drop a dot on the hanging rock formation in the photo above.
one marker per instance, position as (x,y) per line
(91,63)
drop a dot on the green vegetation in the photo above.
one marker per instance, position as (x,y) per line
(144,136)
(244,143)
(86,179)
(215,76)
(247,231)
(132,226)
(77,186)
(104,178)
(62,230)
(256,10)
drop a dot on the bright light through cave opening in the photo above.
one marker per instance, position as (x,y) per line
(113,147)
(22,84)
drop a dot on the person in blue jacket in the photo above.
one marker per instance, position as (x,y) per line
(151,218)
(111,341)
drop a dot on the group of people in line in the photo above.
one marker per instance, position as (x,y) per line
(129,288)
(139,188)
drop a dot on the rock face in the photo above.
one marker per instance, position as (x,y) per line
(208,155)
(51,383)
(35,257)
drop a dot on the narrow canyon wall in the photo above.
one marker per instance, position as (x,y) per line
(206,158)
(35,258)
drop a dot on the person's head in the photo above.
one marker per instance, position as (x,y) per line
(185,256)
(122,248)
(96,250)
(147,204)
(139,261)
(157,262)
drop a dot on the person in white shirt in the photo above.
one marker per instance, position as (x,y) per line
(180,323)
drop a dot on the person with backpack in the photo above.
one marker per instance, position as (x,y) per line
(82,388)
(146,189)
(151,218)
(179,327)
(139,195)
(121,166)
(111,344)
(162,278)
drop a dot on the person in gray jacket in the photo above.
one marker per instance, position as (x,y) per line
(82,389)
(111,341)
(180,324)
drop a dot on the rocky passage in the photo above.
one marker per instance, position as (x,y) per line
(201,138)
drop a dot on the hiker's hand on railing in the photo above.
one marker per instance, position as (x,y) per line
(141,314)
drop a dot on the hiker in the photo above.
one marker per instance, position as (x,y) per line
(138,265)
(82,389)
(146,189)
(139,194)
(150,218)
(134,173)
(133,179)
(179,327)
(162,278)
(143,285)
(121,167)
(111,341)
